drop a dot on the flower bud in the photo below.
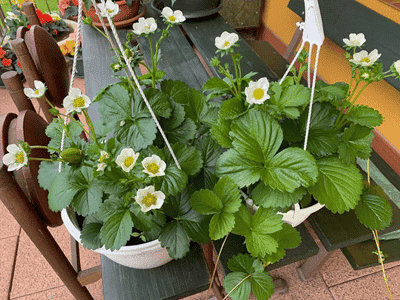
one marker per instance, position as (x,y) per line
(72,155)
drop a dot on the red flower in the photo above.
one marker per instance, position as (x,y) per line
(6,62)
(55,32)
(43,18)
(29,26)
(2,52)
(19,64)
(75,2)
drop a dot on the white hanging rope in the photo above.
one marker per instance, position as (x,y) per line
(132,73)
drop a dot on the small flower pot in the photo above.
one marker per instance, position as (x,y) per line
(144,256)
(79,66)
(190,8)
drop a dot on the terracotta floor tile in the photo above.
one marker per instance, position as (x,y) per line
(315,289)
(58,293)
(8,225)
(337,269)
(7,250)
(371,287)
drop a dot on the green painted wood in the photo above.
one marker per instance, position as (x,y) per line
(341,230)
(362,255)
(235,245)
(203,33)
(178,59)
(342,17)
(175,280)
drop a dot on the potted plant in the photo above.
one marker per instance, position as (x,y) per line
(130,183)
(51,22)
(9,62)
(68,50)
(128,12)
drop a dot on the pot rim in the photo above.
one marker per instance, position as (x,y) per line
(75,233)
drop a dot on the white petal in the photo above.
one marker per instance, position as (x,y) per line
(30,93)
(75,92)
(13,148)
(14,167)
(167,11)
(38,84)
(8,159)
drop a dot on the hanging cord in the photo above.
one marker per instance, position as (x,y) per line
(132,73)
(78,33)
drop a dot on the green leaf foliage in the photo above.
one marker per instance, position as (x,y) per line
(222,202)
(173,182)
(61,191)
(247,276)
(220,132)
(374,211)
(339,185)
(90,236)
(117,229)
(47,172)
(323,137)
(114,104)
(189,158)
(216,85)
(265,196)
(175,239)
(55,130)
(355,142)
(365,116)
(334,93)
(232,108)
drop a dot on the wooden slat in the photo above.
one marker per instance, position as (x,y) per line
(178,59)
(203,35)
(175,280)
(89,276)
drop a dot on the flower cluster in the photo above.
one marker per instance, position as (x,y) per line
(68,48)
(68,8)
(8,59)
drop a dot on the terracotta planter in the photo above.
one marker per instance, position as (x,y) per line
(190,8)
(126,12)
(144,256)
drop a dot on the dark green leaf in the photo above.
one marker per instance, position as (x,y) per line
(47,172)
(90,236)
(61,191)
(356,141)
(243,290)
(221,224)
(159,102)
(262,285)
(265,196)
(229,193)
(220,132)
(189,158)
(116,231)
(206,202)
(138,133)
(183,133)
(115,104)
(375,212)
(175,239)
(215,85)
(232,108)
(173,182)
(365,116)
(241,263)
(242,221)
(339,185)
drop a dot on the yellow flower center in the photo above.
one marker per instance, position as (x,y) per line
(226,44)
(153,168)
(149,200)
(102,159)
(366,59)
(20,157)
(110,11)
(172,18)
(36,92)
(79,102)
(258,94)
(128,161)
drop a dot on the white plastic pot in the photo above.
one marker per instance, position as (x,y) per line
(144,256)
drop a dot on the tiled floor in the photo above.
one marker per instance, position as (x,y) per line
(25,275)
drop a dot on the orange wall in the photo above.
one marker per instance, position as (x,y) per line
(333,67)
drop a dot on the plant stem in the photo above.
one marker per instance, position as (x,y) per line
(153,64)
(237,77)
(100,31)
(36,158)
(236,286)
(77,122)
(216,263)
(380,258)
(45,147)
(91,128)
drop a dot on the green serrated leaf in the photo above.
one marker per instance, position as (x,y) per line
(47,172)
(229,193)
(232,108)
(221,224)
(90,236)
(61,191)
(116,230)
(115,104)
(138,133)
(356,141)
(339,185)
(242,221)
(241,263)
(290,169)
(259,244)
(365,116)
(374,211)
(242,291)
(175,239)
(176,119)
(262,285)
(220,132)
(173,182)
(206,202)
(265,196)
(216,85)
(189,158)
(266,221)
(159,102)
(241,169)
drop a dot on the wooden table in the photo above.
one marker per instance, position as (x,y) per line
(180,62)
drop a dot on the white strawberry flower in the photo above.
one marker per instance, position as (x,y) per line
(149,199)
(257,91)
(153,166)
(226,40)
(127,159)
(11,15)
(364,59)
(397,66)
(16,157)
(38,92)
(110,7)
(76,101)
(171,16)
(355,40)
(144,26)
(102,160)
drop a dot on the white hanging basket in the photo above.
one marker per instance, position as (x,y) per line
(144,256)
